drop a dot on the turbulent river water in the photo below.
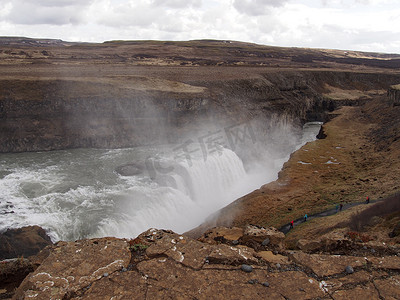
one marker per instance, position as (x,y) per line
(77,193)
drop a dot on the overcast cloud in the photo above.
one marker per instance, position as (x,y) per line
(368,25)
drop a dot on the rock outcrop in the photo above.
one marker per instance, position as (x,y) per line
(394,94)
(72,267)
(23,242)
(12,273)
(161,264)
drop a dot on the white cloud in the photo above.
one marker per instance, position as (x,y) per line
(256,7)
(350,24)
(129,14)
(31,12)
(5,8)
(178,4)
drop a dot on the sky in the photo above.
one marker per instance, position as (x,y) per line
(365,25)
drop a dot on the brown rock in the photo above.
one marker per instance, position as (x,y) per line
(389,288)
(177,267)
(367,291)
(172,281)
(72,266)
(387,262)
(184,254)
(121,285)
(150,236)
(224,254)
(194,253)
(12,273)
(259,234)
(326,265)
(328,242)
(178,248)
(25,241)
(221,234)
(308,246)
(166,279)
(294,285)
(268,256)
(164,243)
(356,278)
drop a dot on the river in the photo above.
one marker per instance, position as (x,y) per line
(77,193)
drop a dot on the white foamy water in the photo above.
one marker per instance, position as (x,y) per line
(76,194)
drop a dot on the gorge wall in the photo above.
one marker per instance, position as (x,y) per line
(394,94)
(57,95)
(56,113)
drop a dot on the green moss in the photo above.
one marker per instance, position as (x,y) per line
(139,247)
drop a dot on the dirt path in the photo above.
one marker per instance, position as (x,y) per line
(329,212)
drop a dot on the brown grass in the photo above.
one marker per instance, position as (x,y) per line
(385,207)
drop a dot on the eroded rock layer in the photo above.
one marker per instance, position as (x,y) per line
(121,94)
(163,264)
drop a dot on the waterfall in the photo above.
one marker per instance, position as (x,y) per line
(211,178)
(181,199)
(76,193)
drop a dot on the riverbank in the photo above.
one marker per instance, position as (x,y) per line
(344,167)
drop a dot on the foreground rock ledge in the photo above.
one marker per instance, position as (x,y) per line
(161,264)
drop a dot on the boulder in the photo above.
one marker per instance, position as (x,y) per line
(194,253)
(12,273)
(349,270)
(309,246)
(25,241)
(129,169)
(73,266)
(222,234)
(224,254)
(321,134)
(327,243)
(246,268)
(177,248)
(260,234)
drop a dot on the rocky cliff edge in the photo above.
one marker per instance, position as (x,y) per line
(228,263)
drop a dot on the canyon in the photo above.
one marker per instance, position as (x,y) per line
(59,95)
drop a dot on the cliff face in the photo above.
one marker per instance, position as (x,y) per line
(58,113)
(394,94)
(120,94)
